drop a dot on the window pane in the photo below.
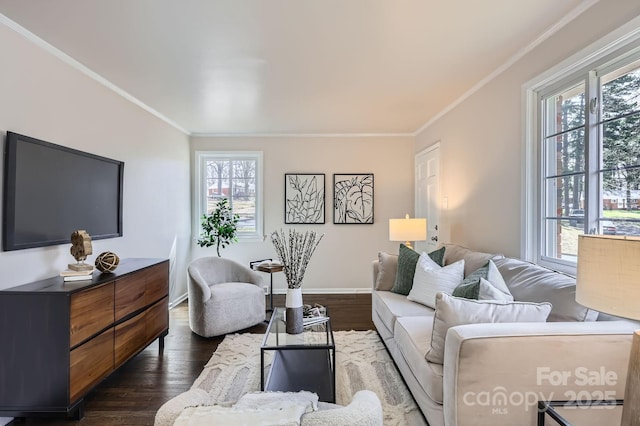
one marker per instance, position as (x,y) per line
(234,179)
(621,91)
(564,198)
(217,182)
(621,142)
(244,194)
(565,153)
(610,227)
(565,110)
(561,240)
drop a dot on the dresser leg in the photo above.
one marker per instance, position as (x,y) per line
(78,414)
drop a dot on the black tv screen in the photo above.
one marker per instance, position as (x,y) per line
(51,191)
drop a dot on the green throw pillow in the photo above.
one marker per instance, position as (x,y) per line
(438,256)
(485,283)
(469,288)
(407,260)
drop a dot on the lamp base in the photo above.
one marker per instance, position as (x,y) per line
(631,407)
(408,244)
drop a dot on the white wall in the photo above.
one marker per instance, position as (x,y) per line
(481,139)
(342,262)
(47,99)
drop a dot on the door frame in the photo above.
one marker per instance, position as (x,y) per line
(434,146)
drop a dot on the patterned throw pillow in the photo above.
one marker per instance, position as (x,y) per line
(473,286)
(431,279)
(407,260)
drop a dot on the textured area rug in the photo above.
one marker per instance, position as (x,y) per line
(362,362)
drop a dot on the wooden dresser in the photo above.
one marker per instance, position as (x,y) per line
(59,339)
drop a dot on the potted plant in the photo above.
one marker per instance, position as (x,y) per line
(295,251)
(219,228)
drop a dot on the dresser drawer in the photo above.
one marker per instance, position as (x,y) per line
(129,295)
(130,336)
(91,311)
(157,319)
(90,363)
(157,283)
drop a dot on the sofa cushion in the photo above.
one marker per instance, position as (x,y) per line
(472,259)
(407,260)
(413,335)
(387,268)
(529,282)
(430,279)
(390,305)
(452,311)
(438,256)
(484,283)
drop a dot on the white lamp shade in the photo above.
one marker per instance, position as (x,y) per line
(608,277)
(408,229)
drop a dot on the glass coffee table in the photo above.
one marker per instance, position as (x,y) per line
(295,362)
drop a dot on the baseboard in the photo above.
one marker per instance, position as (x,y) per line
(328,291)
(176,302)
(284,291)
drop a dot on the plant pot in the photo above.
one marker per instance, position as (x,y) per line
(295,312)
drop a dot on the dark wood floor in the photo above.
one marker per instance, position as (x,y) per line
(133,394)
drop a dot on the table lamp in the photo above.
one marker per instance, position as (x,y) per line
(408,230)
(608,280)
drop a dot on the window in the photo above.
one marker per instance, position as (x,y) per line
(236,176)
(584,148)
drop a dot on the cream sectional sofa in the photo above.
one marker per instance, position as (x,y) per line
(495,373)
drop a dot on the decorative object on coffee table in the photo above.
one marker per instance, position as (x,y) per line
(107,261)
(295,250)
(80,249)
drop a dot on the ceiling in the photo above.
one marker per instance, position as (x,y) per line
(291,66)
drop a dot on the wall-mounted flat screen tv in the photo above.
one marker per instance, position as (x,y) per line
(51,191)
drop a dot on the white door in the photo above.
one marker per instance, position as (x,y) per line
(427,174)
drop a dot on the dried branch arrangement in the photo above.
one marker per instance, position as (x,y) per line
(295,251)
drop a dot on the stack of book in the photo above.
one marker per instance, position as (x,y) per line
(308,321)
(71,275)
(314,315)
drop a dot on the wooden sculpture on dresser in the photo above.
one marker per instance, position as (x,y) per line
(80,249)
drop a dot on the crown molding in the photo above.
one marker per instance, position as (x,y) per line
(86,71)
(569,17)
(301,135)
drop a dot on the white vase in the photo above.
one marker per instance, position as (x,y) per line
(293,304)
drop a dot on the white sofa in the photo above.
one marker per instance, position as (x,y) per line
(495,373)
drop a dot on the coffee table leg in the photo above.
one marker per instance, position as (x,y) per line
(262,369)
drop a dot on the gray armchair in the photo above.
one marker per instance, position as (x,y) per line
(224,296)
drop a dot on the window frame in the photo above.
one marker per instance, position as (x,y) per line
(618,47)
(200,196)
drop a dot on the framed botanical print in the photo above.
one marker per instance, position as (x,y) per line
(353,198)
(304,198)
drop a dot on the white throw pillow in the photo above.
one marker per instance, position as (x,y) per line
(430,278)
(487,291)
(452,311)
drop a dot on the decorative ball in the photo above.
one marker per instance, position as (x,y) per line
(107,261)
